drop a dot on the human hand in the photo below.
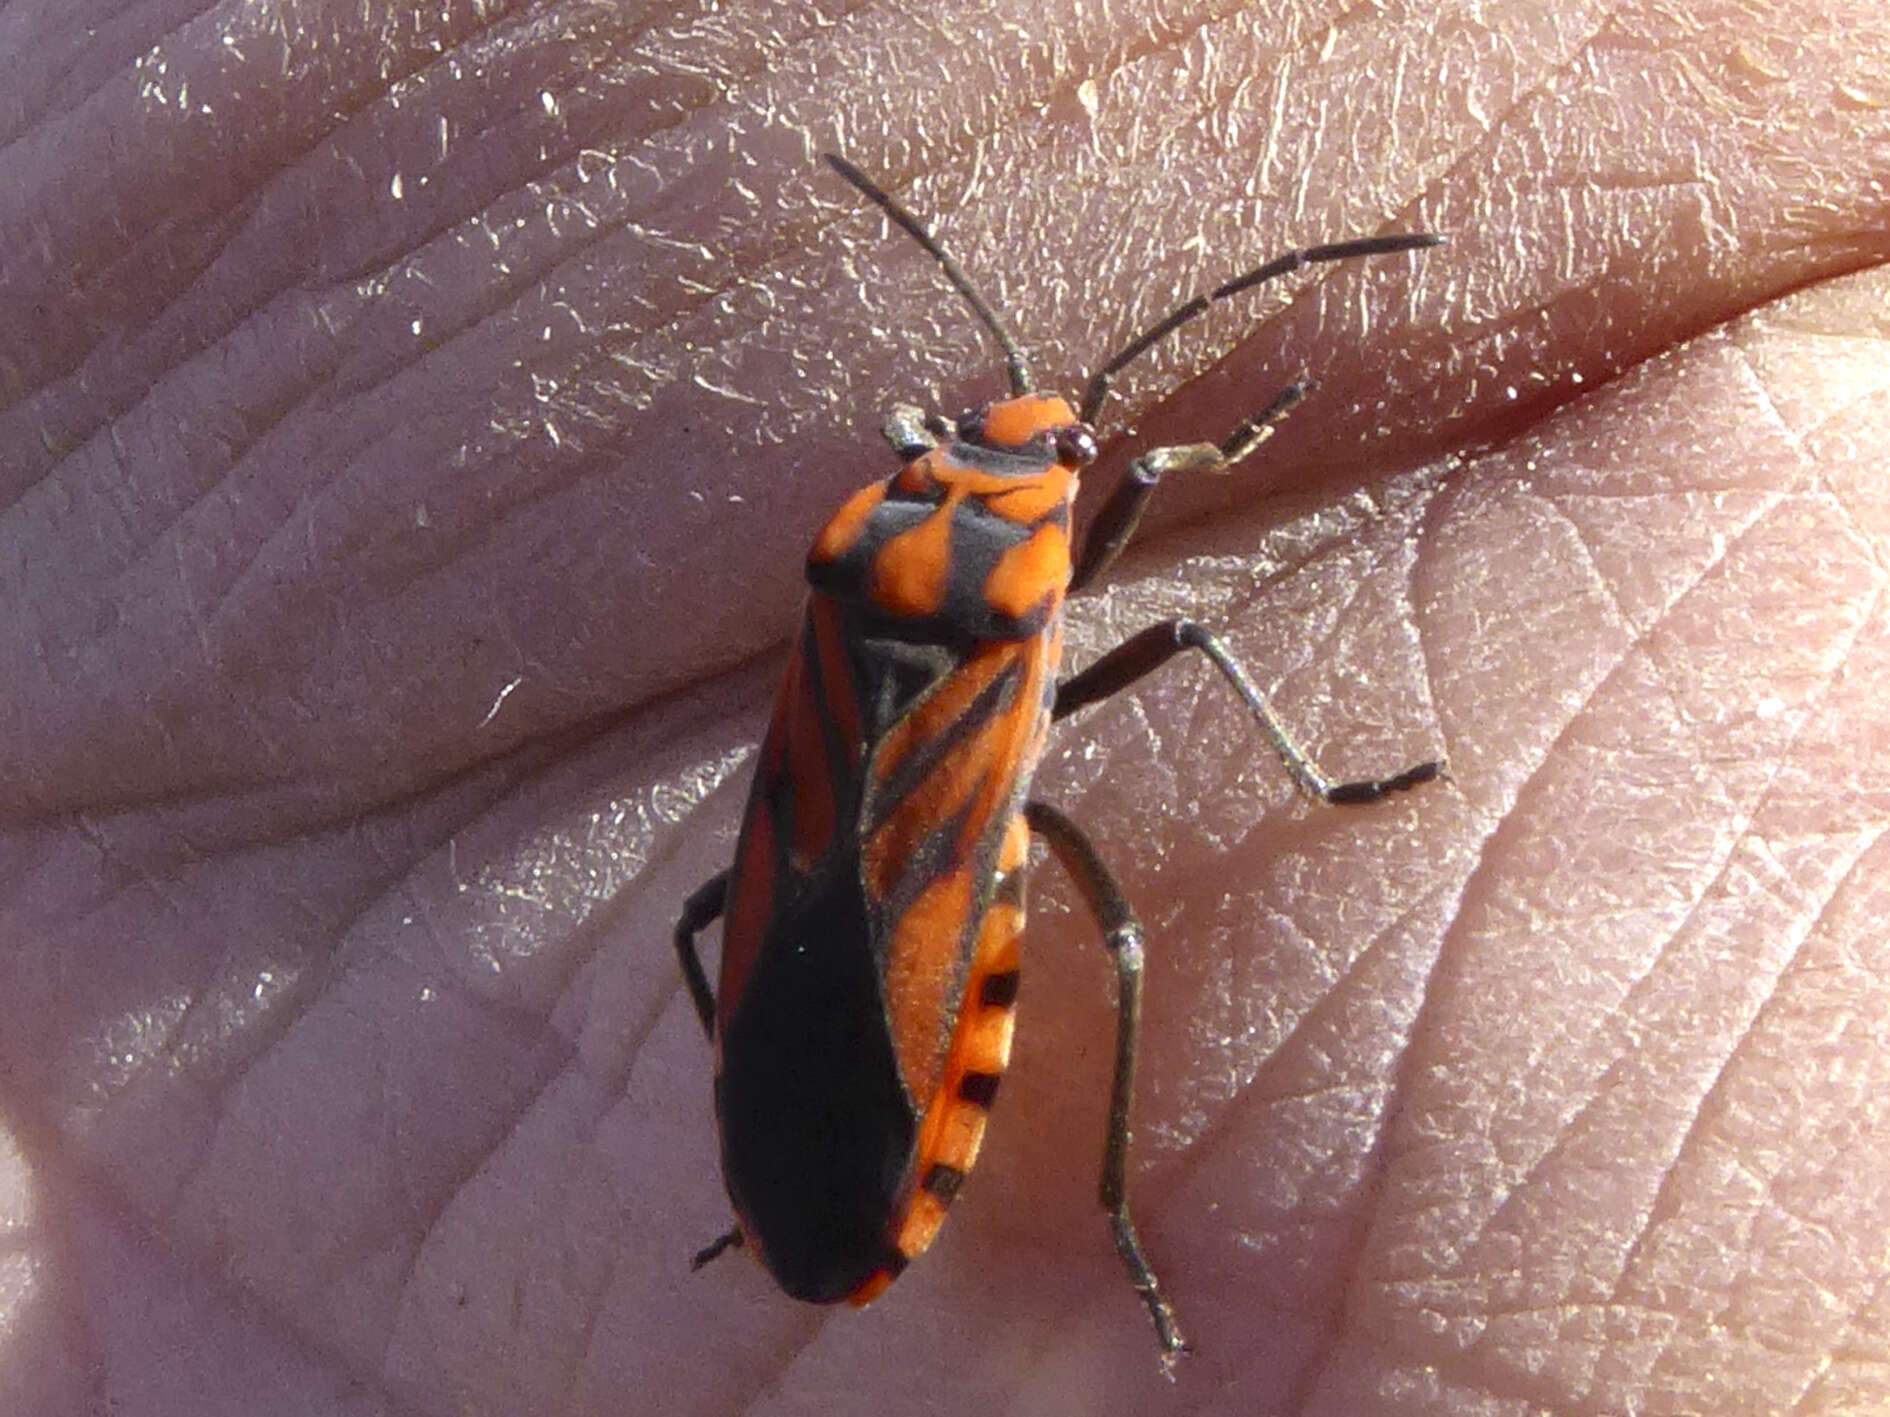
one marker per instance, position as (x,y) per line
(384,629)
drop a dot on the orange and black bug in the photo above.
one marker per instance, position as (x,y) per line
(871,917)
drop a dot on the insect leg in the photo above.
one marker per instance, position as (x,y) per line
(731,1240)
(700,911)
(1122,933)
(1116,520)
(1147,651)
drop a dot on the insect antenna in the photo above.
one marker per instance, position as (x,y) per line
(1103,379)
(1014,361)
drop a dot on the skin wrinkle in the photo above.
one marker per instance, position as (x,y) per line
(1343,1301)
(1638,636)
(1662,1208)
(1702,1112)
(1636,987)
(1255,1093)
(1705,1108)
(1843,1344)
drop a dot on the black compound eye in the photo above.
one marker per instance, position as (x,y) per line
(1075,445)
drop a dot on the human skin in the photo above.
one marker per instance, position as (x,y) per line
(412,428)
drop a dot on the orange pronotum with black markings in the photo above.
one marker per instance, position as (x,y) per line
(870,945)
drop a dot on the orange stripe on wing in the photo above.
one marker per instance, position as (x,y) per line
(836,679)
(914,796)
(922,963)
(751,900)
(952,1131)
(810,795)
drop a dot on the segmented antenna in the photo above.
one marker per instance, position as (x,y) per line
(1014,360)
(1101,381)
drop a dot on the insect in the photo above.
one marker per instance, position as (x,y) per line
(871,917)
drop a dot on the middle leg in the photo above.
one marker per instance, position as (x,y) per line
(1143,653)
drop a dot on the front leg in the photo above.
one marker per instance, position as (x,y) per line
(1115,522)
